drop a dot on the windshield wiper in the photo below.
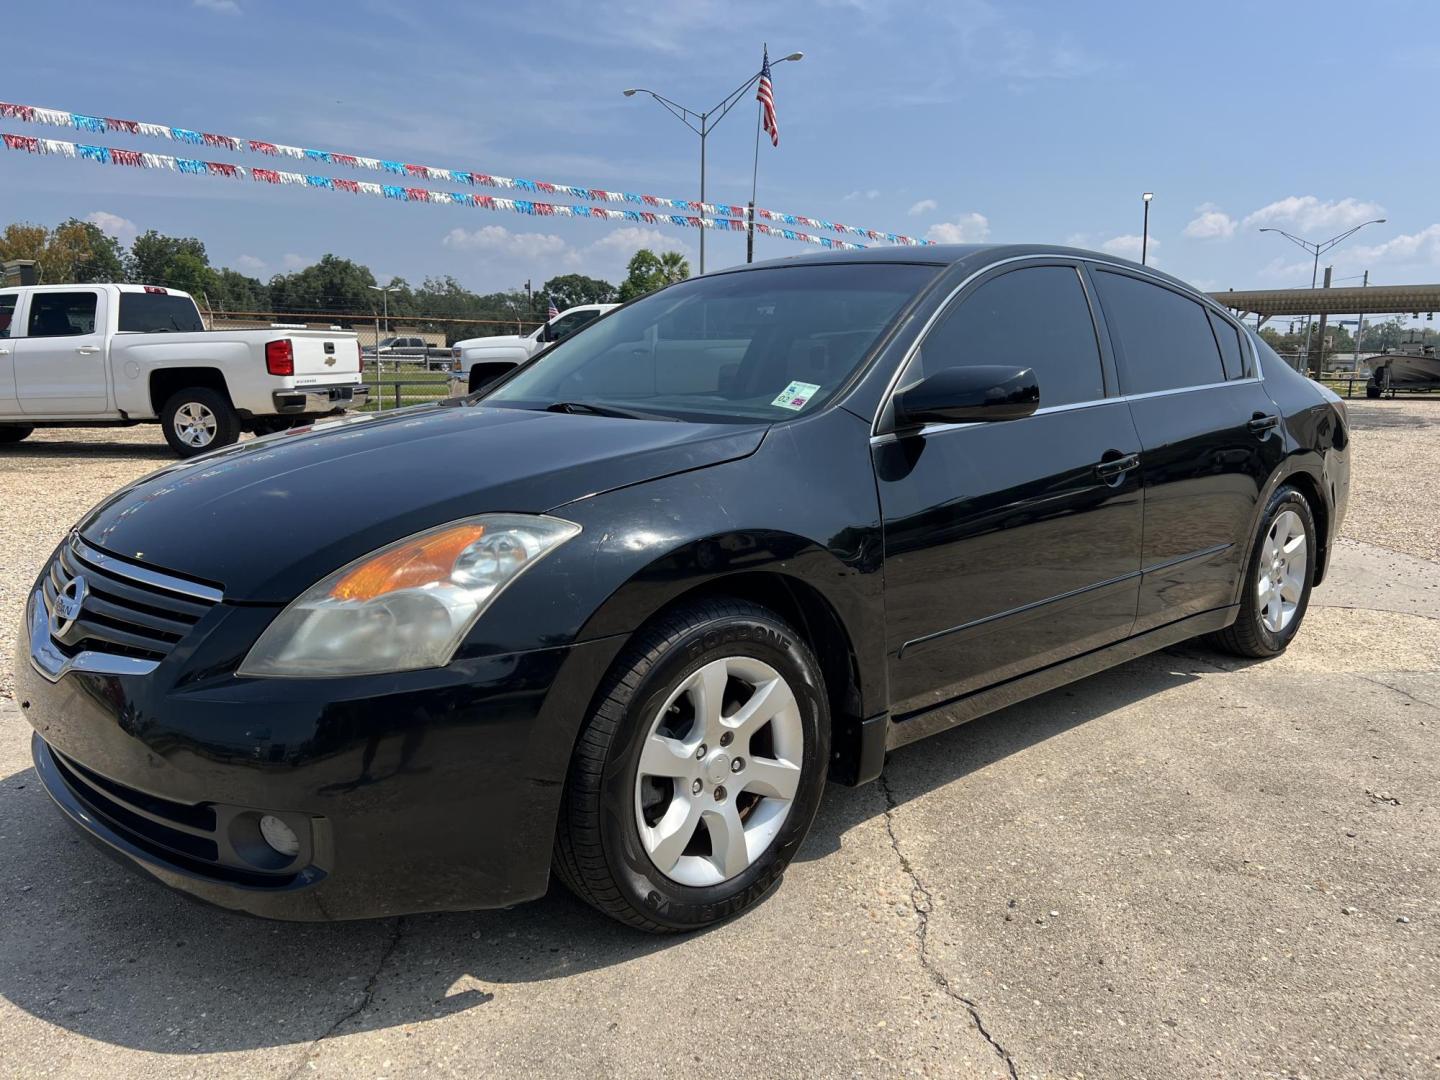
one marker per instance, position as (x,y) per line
(602,410)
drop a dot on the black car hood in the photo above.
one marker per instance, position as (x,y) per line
(266,519)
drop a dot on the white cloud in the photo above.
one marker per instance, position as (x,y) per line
(1417,247)
(855,196)
(1128,247)
(291,261)
(1308,212)
(1210,223)
(1294,274)
(528,245)
(220,7)
(923,206)
(630,238)
(251,265)
(113,224)
(969,228)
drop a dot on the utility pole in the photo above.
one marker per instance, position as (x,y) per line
(1320,351)
(750,233)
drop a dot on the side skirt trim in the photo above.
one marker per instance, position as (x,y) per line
(909,727)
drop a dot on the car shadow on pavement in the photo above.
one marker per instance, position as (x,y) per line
(94,948)
(109,451)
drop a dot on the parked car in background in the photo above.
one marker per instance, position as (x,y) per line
(476,362)
(117,355)
(622,614)
(408,350)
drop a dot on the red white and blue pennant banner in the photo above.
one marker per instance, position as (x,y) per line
(107,155)
(100,124)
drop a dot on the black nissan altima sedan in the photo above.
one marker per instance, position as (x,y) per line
(622,613)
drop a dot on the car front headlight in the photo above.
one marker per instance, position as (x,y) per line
(408,605)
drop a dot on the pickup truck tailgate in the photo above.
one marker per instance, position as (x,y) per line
(321,355)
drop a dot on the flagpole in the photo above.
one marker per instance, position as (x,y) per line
(754,179)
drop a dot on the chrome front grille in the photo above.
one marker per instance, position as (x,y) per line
(96,612)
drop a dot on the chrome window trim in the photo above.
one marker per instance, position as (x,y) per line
(53,665)
(1068,257)
(935,429)
(154,578)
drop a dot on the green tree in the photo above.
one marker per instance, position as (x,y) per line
(332,284)
(153,258)
(568,290)
(73,252)
(643,274)
(233,291)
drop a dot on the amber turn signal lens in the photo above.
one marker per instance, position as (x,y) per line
(410,566)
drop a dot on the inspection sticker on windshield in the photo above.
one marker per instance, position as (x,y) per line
(796,395)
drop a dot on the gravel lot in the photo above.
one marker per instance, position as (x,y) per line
(1185,866)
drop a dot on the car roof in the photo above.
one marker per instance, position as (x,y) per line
(974,255)
(125,287)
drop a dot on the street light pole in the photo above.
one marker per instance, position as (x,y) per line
(384,291)
(1317,249)
(707,121)
(1145,229)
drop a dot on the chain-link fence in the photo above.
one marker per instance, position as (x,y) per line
(406,361)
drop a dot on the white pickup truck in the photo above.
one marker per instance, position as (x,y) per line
(116,355)
(476,362)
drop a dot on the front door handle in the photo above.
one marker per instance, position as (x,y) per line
(1109,467)
(87,350)
(1260,423)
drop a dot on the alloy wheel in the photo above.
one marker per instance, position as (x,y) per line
(719,771)
(1284,562)
(195,424)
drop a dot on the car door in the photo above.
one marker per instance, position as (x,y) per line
(1210,439)
(1010,545)
(60,363)
(9,311)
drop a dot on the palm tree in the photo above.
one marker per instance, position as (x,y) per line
(674,267)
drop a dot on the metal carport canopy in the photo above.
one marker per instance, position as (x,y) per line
(1375,300)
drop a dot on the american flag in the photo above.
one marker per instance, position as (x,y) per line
(765,94)
(554,312)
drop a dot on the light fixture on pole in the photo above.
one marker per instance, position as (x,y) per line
(1317,249)
(1145,228)
(706,122)
(384,291)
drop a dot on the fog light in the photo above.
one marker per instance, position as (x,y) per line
(279,836)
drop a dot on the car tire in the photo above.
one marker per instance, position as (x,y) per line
(198,419)
(1277,585)
(620,822)
(13,433)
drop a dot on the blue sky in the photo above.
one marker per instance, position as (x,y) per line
(970,119)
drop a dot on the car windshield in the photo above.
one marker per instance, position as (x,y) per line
(758,345)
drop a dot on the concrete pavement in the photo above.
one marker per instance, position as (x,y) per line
(1186,866)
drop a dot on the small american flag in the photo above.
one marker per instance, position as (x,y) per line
(554,312)
(765,94)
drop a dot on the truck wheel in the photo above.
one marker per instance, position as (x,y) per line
(698,774)
(198,419)
(13,433)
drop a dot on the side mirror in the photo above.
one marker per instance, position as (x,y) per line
(964,394)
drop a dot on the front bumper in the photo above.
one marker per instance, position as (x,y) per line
(320,399)
(424,791)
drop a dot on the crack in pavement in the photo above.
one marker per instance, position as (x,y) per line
(922,908)
(1374,681)
(366,997)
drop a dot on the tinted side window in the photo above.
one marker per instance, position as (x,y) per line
(7,313)
(1232,354)
(568,324)
(1038,318)
(62,314)
(1165,340)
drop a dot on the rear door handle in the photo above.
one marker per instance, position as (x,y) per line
(1110,467)
(1260,423)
